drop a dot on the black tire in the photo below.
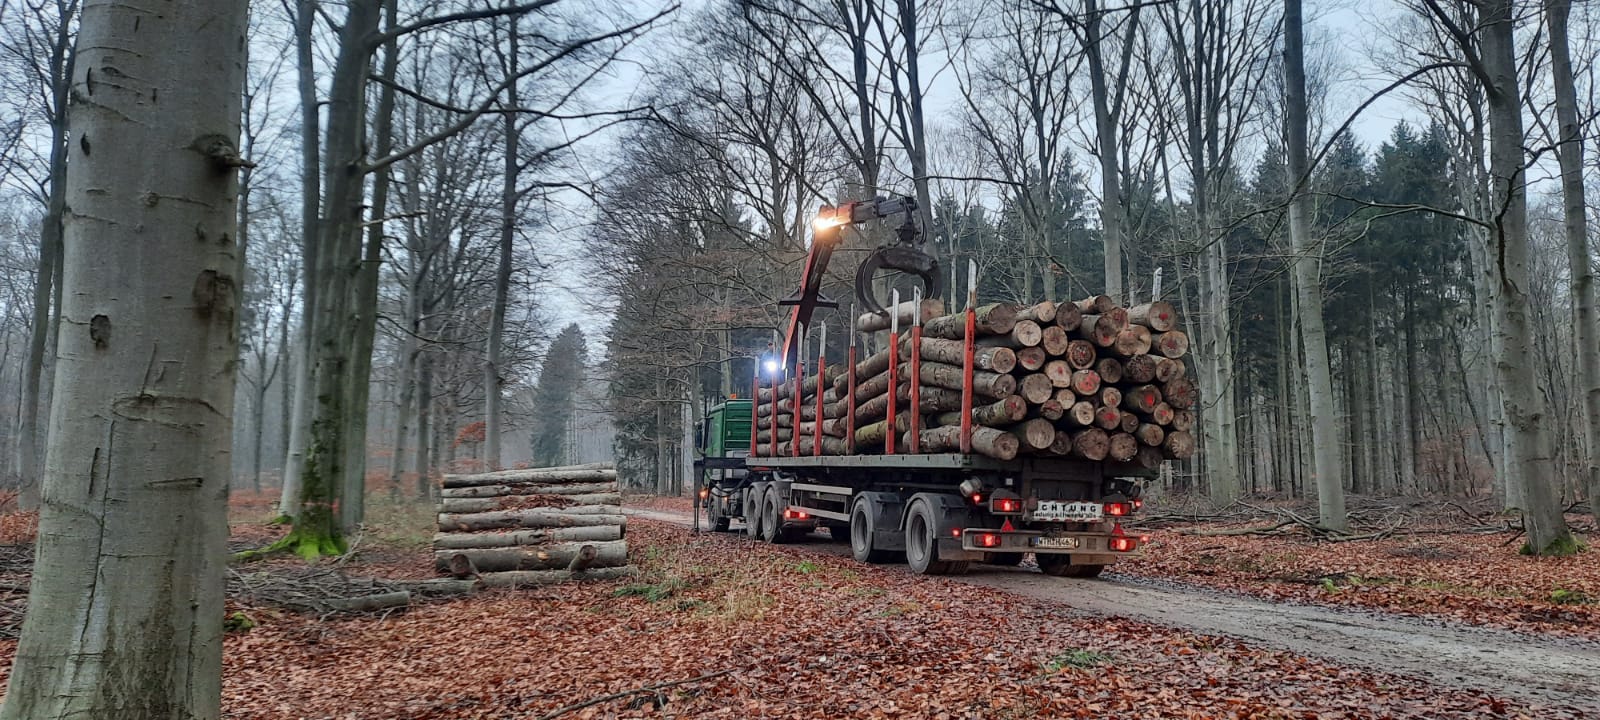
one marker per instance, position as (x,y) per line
(861,531)
(752,509)
(714,516)
(922,543)
(1005,559)
(1061,566)
(771,517)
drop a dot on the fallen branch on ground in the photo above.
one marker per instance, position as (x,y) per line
(650,689)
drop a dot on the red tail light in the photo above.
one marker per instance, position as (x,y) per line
(988,540)
(1118,509)
(1124,544)
(789,514)
(1138,503)
(704,493)
(977,498)
(1007,505)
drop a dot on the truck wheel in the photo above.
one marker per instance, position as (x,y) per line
(922,547)
(771,517)
(752,509)
(861,533)
(714,516)
(1005,559)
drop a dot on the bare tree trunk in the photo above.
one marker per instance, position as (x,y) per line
(46,284)
(1522,395)
(1110,161)
(492,383)
(1307,279)
(1575,217)
(310,222)
(425,432)
(133,526)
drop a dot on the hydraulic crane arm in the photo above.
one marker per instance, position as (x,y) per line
(904,255)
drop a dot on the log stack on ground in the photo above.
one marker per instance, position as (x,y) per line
(533,527)
(1086,379)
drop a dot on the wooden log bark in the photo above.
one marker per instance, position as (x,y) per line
(1149,458)
(1180,394)
(1172,344)
(1179,445)
(1110,397)
(1035,434)
(1050,410)
(1080,354)
(986,441)
(1140,369)
(1096,305)
(835,427)
(1101,330)
(932,399)
(765,436)
(1027,333)
(1032,359)
(514,579)
(1068,317)
(1110,370)
(1163,415)
(1091,444)
(1054,340)
(597,472)
(1059,372)
(1158,316)
(1062,444)
(491,504)
(994,386)
(1078,414)
(830,445)
(1168,369)
(1036,388)
(1123,447)
(610,553)
(1107,418)
(873,322)
(1086,382)
(1182,420)
(1130,422)
(482,491)
(995,319)
(458,541)
(581,516)
(1150,434)
(952,352)
(1142,399)
(368,603)
(1005,412)
(1132,340)
(1043,313)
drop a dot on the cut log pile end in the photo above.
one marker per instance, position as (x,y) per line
(533,527)
(1087,379)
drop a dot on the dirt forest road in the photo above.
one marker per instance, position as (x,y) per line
(1529,667)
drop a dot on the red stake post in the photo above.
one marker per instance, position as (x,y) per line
(894,355)
(850,398)
(795,402)
(967,357)
(822,367)
(913,440)
(755,402)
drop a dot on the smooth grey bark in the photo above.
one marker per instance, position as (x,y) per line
(1111,211)
(1327,468)
(492,381)
(310,219)
(1575,222)
(46,285)
(125,618)
(1523,397)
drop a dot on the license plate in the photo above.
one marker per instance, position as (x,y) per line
(1061,511)
(1056,543)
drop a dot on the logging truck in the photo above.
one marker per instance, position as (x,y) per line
(978,436)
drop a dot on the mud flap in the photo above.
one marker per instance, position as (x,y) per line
(953,514)
(887,512)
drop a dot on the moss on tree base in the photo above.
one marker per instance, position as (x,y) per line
(1564,545)
(302,542)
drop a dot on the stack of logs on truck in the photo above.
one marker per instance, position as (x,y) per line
(1086,380)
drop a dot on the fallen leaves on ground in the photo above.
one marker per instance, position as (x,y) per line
(1474,578)
(803,636)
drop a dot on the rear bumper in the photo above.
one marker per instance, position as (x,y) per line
(1018,541)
